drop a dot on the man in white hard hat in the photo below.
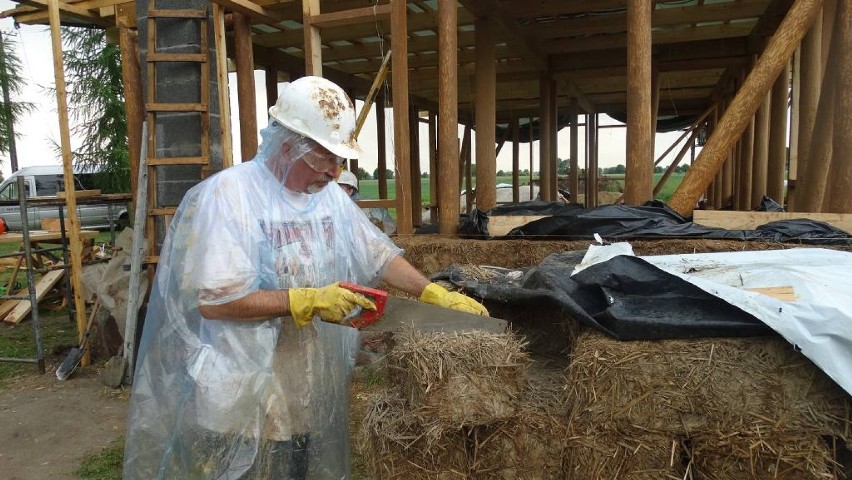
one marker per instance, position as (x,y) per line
(243,366)
(380,217)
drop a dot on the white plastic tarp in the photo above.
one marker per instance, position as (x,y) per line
(818,321)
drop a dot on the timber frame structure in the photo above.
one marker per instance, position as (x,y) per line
(727,70)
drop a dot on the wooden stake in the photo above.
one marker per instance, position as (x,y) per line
(448,204)
(638,178)
(778,50)
(486,115)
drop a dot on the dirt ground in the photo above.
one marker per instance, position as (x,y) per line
(48,426)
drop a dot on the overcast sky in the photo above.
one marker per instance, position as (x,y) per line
(40,127)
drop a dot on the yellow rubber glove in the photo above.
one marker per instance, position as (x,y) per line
(331,303)
(438,295)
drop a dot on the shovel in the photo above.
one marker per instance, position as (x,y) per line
(73,358)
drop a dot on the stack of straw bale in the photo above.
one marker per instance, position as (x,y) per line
(462,405)
(744,408)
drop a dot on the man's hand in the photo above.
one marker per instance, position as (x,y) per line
(331,303)
(438,295)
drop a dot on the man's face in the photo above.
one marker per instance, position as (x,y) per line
(314,170)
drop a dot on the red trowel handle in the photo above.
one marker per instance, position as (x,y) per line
(368,317)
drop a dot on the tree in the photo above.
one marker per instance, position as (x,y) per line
(563,167)
(362,174)
(501,173)
(424,175)
(12,83)
(658,169)
(388,174)
(96,104)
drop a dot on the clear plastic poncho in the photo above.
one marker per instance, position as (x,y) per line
(218,399)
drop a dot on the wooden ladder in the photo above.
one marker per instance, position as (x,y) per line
(155,109)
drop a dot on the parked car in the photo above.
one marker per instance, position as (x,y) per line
(46,181)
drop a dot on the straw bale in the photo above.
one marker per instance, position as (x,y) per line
(615,454)
(703,385)
(531,444)
(459,378)
(755,456)
(398,445)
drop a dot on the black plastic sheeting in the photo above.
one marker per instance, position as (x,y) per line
(624,297)
(654,220)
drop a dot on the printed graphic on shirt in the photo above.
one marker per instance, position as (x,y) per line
(303,251)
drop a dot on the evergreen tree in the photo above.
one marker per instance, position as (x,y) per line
(12,83)
(96,105)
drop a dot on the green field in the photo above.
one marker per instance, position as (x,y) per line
(370,188)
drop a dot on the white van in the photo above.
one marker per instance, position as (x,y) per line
(46,181)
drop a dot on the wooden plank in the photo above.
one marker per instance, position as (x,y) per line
(177,161)
(401,131)
(222,86)
(177,13)
(80,194)
(751,220)
(499,226)
(43,285)
(312,38)
(784,293)
(251,9)
(245,86)
(177,57)
(349,17)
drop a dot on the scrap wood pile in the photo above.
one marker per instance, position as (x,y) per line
(464,405)
(713,408)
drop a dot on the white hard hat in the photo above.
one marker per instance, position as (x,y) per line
(319,109)
(348,178)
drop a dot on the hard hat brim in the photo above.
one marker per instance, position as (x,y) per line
(345,150)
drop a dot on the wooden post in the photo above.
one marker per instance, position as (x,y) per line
(655,109)
(840,198)
(223,87)
(73,223)
(638,178)
(416,194)
(486,115)
(463,160)
(131,80)
(448,204)
(401,133)
(687,146)
(544,146)
(313,44)
(381,139)
(746,168)
(778,50)
(516,159)
(778,137)
(761,152)
(532,195)
(718,194)
(813,175)
(245,86)
(793,167)
(554,140)
(810,79)
(470,197)
(592,173)
(574,168)
(433,168)
(271,78)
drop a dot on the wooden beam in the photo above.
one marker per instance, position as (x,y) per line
(312,40)
(511,29)
(72,11)
(251,9)
(73,223)
(222,87)
(516,160)
(746,168)
(401,132)
(752,220)
(574,170)
(486,116)
(381,139)
(687,146)
(757,84)
(371,95)
(638,180)
(131,81)
(545,148)
(414,155)
(448,181)
(433,168)
(810,79)
(348,17)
